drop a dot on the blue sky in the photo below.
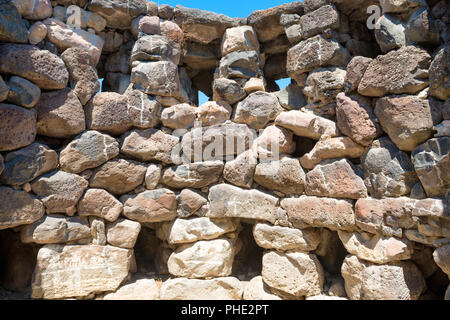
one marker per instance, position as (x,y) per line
(231,8)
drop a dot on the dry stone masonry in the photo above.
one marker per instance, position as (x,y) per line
(335,187)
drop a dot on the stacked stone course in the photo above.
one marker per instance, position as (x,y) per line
(104,195)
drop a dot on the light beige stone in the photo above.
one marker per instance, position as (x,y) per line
(99,203)
(123,233)
(143,289)
(257,290)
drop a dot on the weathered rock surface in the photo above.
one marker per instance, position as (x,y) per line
(335,179)
(155,48)
(307,125)
(26,164)
(257,110)
(356,119)
(240,170)
(79,271)
(17,128)
(152,176)
(212,112)
(202,259)
(99,203)
(118,14)
(108,112)
(180,116)
(241,38)
(191,202)
(227,90)
(390,33)
(143,289)
(191,230)
(12,27)
(376,248)
(60,114)
(431,161)
(57,229)
(41,67)
(388,172)
(442,258)
(228,288)
(83,75)
(303,57)
(315,22)
(118,176)
(218,141)
(227,201)
(393,281)
(295,273)
(341,147)
(408,120)
(257,290)
(286,239)
(123,233)
(150,206)
(144,111)
(285,175)
(22,92)
(355,71)
(305,212)
(59,191)
(148,145)
(88,150)
(397,72)
(272,142)
(194,175)
(18,208)
(439,74)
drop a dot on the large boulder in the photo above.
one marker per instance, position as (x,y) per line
(203,259)
(240,64)
(227,90)
(118,176)
(123,233)
(155,48)
(60,114)
(150,206)
(64,37)
(88,150)
(212,112)
(144,110)
(12,27)
(303,57)
(307,125)
(83,75)
(57,229)
(376,248)
(388,172)
(149,144)
(18,208)
(227,201)
(355,118)
(195,289)
(60,191)
(257,110)
(389,33)
(24,165)
(17,128)
(118,14)
(202,26)
(286,239)
(394,281)
(273,142)
(295,273)
(431,161)
(41,67)
(217,141)
(82,270)
(317,21)
(240,170)
(285,175)
(397,72)
(439,74)
(179,116)
(108,112)
(241,38)
(99,203)
(195,229)
(337,179)
(408,120)
(341,147)
(194,175)
(305,212)
(34,9)
(23,92)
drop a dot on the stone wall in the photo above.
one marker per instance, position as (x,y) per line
(335,187)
